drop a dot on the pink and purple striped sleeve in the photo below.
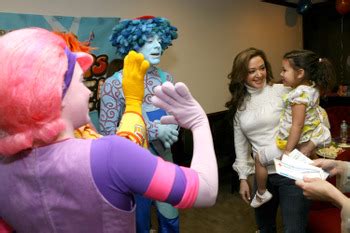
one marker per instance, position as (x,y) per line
(120,168)
(169,182)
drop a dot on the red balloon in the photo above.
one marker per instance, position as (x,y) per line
(342,6)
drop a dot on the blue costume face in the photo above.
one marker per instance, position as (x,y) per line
(152,50)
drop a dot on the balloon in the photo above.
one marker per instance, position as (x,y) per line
(303,6)
(342,6)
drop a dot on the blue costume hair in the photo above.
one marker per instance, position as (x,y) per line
(132,34)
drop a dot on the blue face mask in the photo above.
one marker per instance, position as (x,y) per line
(152,50)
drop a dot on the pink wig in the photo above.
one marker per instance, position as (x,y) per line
(33,64)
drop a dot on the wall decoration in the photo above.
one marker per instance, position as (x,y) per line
(95,30)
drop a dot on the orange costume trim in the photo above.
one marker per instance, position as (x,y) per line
(133,127)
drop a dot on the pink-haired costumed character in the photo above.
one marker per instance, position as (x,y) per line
(48,176)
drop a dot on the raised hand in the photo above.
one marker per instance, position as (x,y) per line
(186,112)
(135,68)
(177,100)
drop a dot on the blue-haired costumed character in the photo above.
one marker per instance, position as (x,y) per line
(150,36)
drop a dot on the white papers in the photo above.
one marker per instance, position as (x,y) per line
(296,166)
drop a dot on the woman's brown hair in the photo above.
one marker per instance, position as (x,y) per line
(239,75)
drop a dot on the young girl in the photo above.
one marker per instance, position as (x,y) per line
(302,118)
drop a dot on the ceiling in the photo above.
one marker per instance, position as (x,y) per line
(294,3)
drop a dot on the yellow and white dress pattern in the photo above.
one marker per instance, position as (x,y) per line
(316,119)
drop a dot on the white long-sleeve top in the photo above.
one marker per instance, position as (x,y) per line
(255,126)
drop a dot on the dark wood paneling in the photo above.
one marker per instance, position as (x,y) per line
(327,33)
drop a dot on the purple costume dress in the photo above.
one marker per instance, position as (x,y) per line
(92,178)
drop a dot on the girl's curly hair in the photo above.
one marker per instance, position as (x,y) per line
(317,69)
(132,34)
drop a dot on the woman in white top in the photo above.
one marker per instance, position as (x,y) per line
(256,105)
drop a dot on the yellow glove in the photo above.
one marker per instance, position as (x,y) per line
(133,127)
(135,68)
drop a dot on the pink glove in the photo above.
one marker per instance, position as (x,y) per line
(177,100)
(186,112)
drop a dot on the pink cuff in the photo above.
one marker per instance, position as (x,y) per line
(191,191)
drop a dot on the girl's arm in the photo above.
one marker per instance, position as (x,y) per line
(298,118)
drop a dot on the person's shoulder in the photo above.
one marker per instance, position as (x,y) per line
(279,86)
(279,89)
(309,91)
(160,71)
(110,139)
(166,73)
(306,88)
(115,143)
(116,76)
(114,139)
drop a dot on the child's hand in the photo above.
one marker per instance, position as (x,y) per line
(285,153)
(307,148)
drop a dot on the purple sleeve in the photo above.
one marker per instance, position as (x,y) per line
(120,168)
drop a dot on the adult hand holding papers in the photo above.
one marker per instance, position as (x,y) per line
(296,166)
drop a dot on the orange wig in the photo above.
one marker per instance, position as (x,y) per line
(73,43)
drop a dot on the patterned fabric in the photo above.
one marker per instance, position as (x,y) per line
(315,116)
(113,102)
(133,128)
